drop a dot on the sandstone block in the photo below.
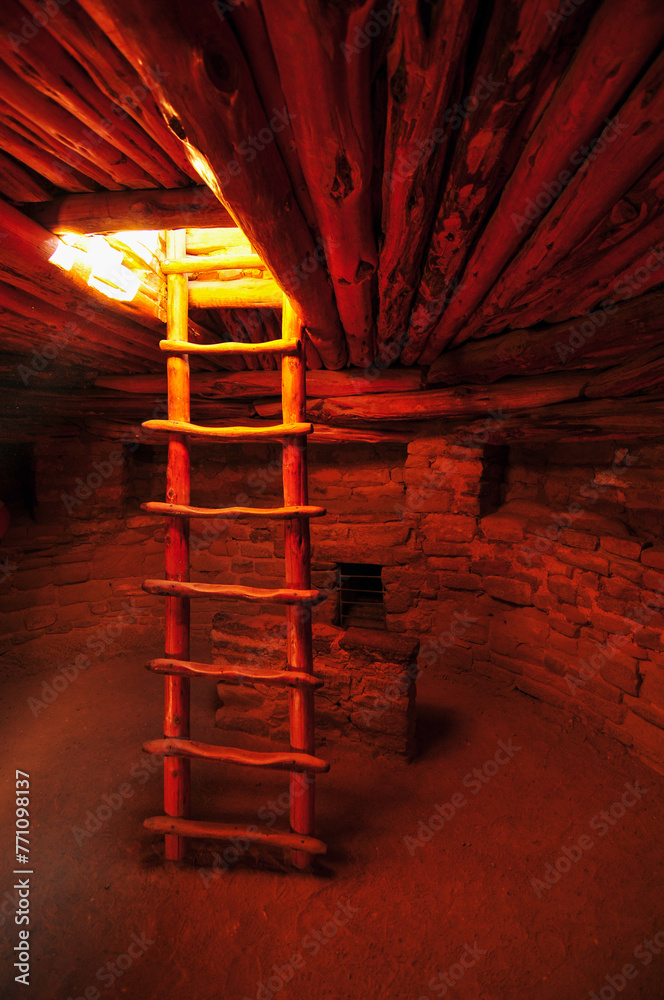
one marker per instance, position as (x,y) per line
(506,589)
(653,556)
(502,527)
(563,588)
(584,560)
(39,618)
(628,548)
(579,539)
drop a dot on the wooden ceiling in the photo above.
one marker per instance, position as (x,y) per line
(455,193)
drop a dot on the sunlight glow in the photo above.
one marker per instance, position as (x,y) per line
(64,256)
(104,265)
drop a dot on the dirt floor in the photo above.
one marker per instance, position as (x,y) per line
(404,906)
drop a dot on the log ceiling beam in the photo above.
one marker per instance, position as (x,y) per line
(423,84)
(75,335)
(47,67)
(209,99)
(63,126)
(26,151)
(113,211)
(600,265)
(329,100)
(642,374)
(457,402)
(628,419)
(606,337)
(588,198)
(18,184)
(250,385)
(504,98)
(602,69)
(85,42)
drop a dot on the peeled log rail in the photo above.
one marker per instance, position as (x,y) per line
(114,211)
(213,122)
(231,347)
(228,433)
(230,831)
(177,777)
(213,262)
(223,241)
(596,340)
(254,293)
(255,595)
(233,513)
(235,675)
(593,86)
(194,750)
(297,560)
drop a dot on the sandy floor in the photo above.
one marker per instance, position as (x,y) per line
(388,915)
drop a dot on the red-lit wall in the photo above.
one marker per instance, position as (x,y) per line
(540,567)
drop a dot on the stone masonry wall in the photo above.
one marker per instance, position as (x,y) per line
(70,574)
(541,566)
(538,566)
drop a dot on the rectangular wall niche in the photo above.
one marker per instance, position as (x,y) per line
(361,596)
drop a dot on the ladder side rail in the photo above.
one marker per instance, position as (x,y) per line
(298,575)
(177,777)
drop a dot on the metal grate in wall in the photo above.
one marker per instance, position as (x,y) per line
(361,595)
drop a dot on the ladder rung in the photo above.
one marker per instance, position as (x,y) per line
(291,347)
(291,761)
(230,433)
(182,588)
(253,293)
(232,513)
(211,262)
(235,675)
(231,831)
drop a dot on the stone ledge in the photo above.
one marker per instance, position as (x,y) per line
(390,646)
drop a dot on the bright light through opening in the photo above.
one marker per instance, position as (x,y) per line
(103,264)
(64,256)
(140,240)
(123,284)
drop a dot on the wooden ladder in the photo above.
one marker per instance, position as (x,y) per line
(297,595)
